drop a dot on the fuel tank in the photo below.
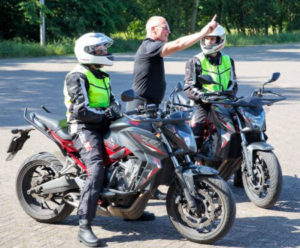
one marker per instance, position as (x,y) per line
(136,136)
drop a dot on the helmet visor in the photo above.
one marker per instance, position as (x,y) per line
(99,49)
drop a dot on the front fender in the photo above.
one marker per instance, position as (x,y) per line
(261,146)
(200,170)
(196,170)
(257,146)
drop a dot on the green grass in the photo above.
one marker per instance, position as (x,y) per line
(243,40)
(18,49)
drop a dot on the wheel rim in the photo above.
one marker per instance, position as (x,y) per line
(260,183)
(209,215)
(42,204)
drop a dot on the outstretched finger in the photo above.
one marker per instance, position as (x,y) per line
(214,18)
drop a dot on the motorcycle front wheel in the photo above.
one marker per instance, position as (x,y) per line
(46,208)
(215,210)
(265,187)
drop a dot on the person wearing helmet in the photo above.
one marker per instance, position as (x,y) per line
(89,102)
(211,61)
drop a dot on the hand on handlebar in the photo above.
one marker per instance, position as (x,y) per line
(112,113)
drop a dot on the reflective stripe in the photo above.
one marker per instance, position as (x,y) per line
(221,74)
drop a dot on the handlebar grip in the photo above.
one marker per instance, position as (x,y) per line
(132,112)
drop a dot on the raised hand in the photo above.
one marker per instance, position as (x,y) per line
(209,27)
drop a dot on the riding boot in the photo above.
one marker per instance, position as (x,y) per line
(86,235)
(158,195)
(198,131)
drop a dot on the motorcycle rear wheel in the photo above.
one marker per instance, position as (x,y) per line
(216,210)
(265,188)
(48,208)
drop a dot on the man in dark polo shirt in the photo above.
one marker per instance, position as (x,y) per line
(149,72)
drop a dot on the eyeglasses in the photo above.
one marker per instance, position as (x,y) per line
(164,28)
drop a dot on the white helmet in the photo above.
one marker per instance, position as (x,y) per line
(91,48)
(219,32)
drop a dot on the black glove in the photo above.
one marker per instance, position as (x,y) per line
(112,112)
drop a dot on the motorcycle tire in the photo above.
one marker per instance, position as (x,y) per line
(264,190)
(48,208)
(215,214)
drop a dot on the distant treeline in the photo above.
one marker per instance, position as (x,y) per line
(70,18)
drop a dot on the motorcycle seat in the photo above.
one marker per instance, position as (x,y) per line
(60,127)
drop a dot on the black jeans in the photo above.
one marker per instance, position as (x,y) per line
(89,143)
(199,121)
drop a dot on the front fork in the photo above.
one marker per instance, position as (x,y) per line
(186,178)
(248,151)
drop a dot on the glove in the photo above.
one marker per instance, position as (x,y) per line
(112,112)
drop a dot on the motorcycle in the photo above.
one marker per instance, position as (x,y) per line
(234,140)
(144,148)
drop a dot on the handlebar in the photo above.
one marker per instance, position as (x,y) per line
(143,109)
(132,112)
(266,100)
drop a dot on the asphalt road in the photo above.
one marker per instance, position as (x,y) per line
(39,81)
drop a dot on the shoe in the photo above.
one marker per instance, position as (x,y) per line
(237,180)
(158,195)
(86,235)
(146,216)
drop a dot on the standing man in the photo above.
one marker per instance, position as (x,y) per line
(88,98)
(149,73)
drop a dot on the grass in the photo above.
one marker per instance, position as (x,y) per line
(243,40)
(18,49)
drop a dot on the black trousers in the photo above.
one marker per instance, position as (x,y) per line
(89,143)
(199,121)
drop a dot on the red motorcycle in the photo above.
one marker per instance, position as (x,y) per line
(235,140)
(144,148)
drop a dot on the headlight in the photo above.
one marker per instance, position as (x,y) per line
(255,121)
(189,140)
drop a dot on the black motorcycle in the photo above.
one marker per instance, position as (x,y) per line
(144,148)
(234,140)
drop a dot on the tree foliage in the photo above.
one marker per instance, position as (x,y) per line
(20,19)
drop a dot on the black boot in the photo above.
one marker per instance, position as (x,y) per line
(158,195)
(237,180)
(86,235)
(146,216)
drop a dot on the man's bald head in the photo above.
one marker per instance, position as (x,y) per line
(157,28)
(154,21)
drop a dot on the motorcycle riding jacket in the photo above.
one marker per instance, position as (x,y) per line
(221,68)
(87,95)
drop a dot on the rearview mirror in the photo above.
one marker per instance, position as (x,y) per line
(179,87)
(130,95)
(275,76)
(206,79)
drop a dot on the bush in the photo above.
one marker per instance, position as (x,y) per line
(17,48)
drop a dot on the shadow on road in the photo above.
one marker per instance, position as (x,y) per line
(162,229)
